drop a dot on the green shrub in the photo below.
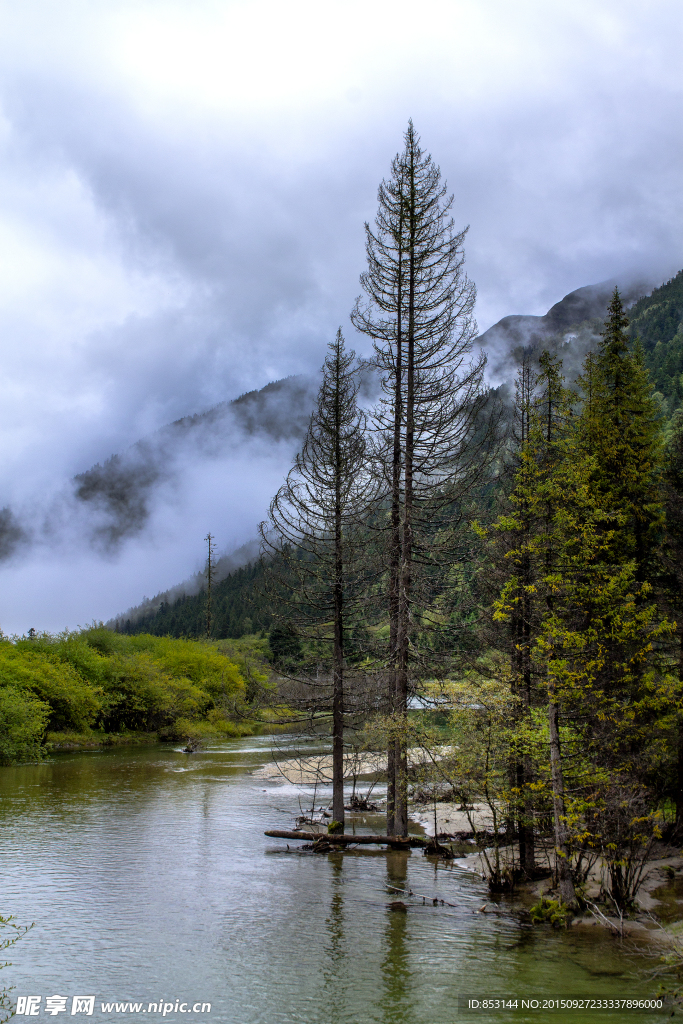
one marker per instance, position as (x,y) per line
(22,724)
(71,649)
(552,912)
(74,703)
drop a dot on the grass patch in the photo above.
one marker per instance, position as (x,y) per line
(93,739)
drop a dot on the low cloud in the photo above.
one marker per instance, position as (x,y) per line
(151,506)
(182,197)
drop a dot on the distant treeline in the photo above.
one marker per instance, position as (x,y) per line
(238,608)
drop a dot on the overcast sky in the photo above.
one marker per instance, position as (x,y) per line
(183,188)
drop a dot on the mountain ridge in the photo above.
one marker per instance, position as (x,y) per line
(570,326)
(506,340)
(120,489)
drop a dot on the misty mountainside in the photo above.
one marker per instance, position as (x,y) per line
(129,493)
(570,328)
(120,490)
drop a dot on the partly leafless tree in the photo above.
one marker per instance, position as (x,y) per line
(430,425)
(312,532)
(210,575)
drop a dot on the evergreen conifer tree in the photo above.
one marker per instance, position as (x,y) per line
(621,427)
(672,586)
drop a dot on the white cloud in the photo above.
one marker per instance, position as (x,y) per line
(183,188)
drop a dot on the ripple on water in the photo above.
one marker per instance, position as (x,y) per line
(149,879)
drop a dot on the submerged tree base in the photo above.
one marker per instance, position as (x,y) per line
(340,839)
(436,849)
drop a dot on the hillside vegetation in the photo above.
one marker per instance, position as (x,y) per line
(95,686)
(657,320)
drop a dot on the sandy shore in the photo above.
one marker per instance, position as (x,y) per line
(318,767)
(450,819)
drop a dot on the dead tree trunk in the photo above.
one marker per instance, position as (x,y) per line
(419,316)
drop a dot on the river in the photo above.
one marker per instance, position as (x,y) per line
(149,879)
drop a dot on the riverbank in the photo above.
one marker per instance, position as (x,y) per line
(662,885)
(659,903)
(93,688)
(68,742)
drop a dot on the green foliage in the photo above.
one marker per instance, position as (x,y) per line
(475,766)
(201,663)
(214,726)
(36,668)
(73,683)
(285,645)
(549,911)
(22,725)
(252,656)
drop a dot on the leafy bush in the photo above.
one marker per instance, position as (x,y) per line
(22,724)
(73,701)
(553,912)
(74,682)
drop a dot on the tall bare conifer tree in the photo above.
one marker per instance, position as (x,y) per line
(313,523)
(210,572)
(419,313)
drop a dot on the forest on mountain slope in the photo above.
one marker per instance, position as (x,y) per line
(240,604)
(239,607)
(657,320)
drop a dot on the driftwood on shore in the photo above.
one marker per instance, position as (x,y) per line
(347,840)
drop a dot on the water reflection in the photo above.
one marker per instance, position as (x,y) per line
(145,880)
(397,1002)
(335,988)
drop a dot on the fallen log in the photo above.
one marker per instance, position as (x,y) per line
(402,842)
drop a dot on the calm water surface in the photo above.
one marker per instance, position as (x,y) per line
(148,877)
